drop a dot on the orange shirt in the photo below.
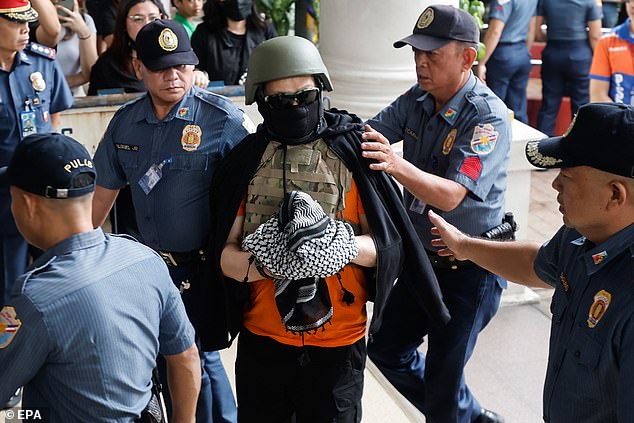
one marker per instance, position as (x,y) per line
(613,62)
(348,322)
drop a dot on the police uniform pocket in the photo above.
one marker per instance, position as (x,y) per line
(189,162)
(558,305)
(585,350)
(128,159)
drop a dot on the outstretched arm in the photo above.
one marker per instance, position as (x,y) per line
(510,260)
(183,378)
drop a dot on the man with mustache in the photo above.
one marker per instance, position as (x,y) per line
(456,142)
(588,262)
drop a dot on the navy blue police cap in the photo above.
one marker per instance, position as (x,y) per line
(164,43)
(601,136)
(48,165)
(440,24)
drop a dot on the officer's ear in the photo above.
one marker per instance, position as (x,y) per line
(469,54)
(136,64)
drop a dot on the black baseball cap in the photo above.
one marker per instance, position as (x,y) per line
(440,24)
(47,165)
(164,43)
(601,136)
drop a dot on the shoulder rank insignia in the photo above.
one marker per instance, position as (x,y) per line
(190,141)
(599,307)
(9,326)
(42,50)
(484,139)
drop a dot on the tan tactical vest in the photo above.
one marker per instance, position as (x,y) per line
(311,168)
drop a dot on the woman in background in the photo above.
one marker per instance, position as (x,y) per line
(223,42)
(114,68)
(77,45)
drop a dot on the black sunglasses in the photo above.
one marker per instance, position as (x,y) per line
(288,100)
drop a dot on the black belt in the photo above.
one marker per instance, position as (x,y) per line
(175,259)
(447,262)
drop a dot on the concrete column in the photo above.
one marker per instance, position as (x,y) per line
(355,41)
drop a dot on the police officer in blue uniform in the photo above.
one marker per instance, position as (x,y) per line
(567,57)
(507,62)
(456,142)
(165,145)
(32,89)
(589,262)
(86,321)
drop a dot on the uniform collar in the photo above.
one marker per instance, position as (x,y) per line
(21,58)
(451,110)
(599,256)
(76,242)
(184,110)
(623,31)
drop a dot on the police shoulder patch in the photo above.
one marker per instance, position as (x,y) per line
(9,326)
(40,50)
(484,139)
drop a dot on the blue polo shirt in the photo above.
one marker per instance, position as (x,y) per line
(468,141)
(567,19)
(590,365)
(86,323)
(187,143)
(16,88)
(516,15)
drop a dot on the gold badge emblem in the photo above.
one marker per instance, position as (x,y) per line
(425,19)
(191,137)
(447,145)
(168,40)
(599,307)
(37,81)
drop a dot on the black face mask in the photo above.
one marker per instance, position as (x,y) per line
(237,10)
(295,125)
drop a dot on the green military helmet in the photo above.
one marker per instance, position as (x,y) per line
(284,57)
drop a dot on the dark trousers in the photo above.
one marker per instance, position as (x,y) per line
(565,69)
(215,401)
(435,383)
(13,259)
(281,383)
(507,76)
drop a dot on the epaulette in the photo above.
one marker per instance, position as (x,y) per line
(22,280)
(213,99)
(125,236)
(40,50)
(480,103)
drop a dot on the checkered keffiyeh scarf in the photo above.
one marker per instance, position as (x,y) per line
(300,246)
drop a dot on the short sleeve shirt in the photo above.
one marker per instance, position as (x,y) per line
(613,62)
(186,145)
(516,15)
(577,14)
(590,366)
(85,325)
(468,141)
(17,94)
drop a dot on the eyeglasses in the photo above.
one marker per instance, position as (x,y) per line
(288,100)
(137,19)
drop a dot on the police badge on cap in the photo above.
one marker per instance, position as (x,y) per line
(18,11)
(164,43)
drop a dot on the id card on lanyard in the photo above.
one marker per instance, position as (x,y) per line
(27,120)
